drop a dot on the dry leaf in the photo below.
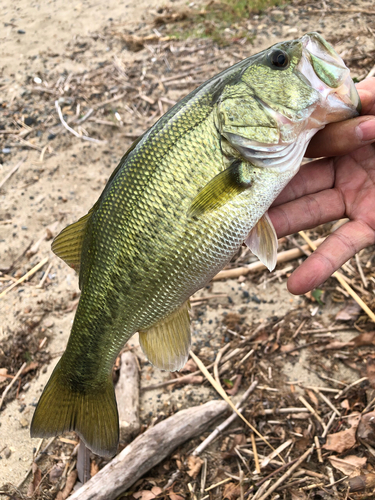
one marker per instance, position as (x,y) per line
(33,365)
(343,440)
(287,347)
(367,338)
(70,482)
(174,496)
(190,366)
(3,372)
(350,311)
(94,468)
(366,428)
(144,495)
(370,372)
(350,465)
(360,483)
(336,344)
(231,491)
(345,404)
(56,472)
(194,464)
(37,477)
(193,379)
(236,386)
(298,495)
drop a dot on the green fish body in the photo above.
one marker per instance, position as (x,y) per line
(182,200)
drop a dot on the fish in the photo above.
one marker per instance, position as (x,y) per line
(183,199)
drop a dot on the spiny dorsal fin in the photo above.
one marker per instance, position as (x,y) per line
(262,241)
(68,244)
(222,188)
(167,343)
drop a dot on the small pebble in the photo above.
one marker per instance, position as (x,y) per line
(7,452)
(21,32)
(24,423)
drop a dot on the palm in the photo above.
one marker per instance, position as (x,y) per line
(330,189)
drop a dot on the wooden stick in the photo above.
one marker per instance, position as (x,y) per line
(224,395)
(7,389)
(147,450)
(346,389)
(24,277)
(311,410)
(71,130)
(287,474)
(13,171)
(255,451)
(285,256)
(127,396)
(226,422)
(45,275)
(343,283)
(318,449)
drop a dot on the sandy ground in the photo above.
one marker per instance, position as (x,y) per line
(57,190)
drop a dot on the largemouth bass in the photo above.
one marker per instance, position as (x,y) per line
(182,200)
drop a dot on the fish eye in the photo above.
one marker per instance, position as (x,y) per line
(279,59)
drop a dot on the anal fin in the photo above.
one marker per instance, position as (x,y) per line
(167,343)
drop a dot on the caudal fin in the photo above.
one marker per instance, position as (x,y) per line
(93,416)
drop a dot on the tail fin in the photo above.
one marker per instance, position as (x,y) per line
(93,416)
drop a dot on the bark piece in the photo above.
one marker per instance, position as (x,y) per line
(147,450)
(127,395)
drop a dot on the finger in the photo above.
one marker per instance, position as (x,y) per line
(340,138)
(366,91)
(333,253)
(307,212)
(311,178)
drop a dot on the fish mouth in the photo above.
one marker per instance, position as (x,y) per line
(325,71)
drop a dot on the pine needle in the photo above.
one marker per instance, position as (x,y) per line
(224,395)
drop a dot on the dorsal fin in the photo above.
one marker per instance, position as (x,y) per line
(68,244)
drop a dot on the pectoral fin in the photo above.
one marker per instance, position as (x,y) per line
(262,241)
(222,188)
(167,343)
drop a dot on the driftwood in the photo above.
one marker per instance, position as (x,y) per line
(284,256)
(127,395)
(147,450)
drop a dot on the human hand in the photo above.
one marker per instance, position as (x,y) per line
(340,185)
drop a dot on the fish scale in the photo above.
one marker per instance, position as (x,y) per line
(180,203)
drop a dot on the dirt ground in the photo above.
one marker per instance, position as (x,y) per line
(111,58)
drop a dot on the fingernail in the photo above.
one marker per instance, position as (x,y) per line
(366,130)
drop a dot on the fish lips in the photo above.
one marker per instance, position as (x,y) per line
(325,71)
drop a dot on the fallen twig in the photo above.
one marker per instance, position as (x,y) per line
(224,395)
(284,256)
(147,450)
(71,130)
(287,474)
(24,277)
(127,395)
(7,389)
(226,422)
(13,171)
